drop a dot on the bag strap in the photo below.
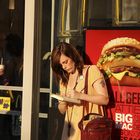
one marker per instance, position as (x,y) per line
(85,107)
(86,81)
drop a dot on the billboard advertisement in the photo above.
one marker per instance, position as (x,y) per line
(117,53)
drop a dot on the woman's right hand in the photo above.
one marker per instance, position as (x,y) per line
(62,106)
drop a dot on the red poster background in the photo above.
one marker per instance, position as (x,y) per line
(96,39)
(124,103)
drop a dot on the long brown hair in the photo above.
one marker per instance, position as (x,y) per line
(69,51)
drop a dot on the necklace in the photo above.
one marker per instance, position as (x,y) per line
(69,114)
(69,120)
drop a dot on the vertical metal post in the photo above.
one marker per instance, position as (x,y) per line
(31,70)
(27,70)
(52,45)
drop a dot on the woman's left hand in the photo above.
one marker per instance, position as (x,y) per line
(73,94)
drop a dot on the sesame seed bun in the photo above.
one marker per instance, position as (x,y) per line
(122,41)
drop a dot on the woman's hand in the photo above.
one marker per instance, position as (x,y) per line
(62,106)
(73,94)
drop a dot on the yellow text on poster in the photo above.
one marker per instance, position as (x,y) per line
(5,103)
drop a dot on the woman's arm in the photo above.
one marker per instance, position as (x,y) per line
(100,97)
(62,106)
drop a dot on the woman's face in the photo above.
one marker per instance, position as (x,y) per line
(67,63)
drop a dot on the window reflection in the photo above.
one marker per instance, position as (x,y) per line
(130,10)
(13,59)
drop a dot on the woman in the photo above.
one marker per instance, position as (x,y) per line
(70,71)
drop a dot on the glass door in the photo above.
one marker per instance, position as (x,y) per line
(37,76)
(25,74)
(11,67)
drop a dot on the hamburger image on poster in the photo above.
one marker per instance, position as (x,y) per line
(120,61)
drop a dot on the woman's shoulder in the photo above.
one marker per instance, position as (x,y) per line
(91,67)
(94,70)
